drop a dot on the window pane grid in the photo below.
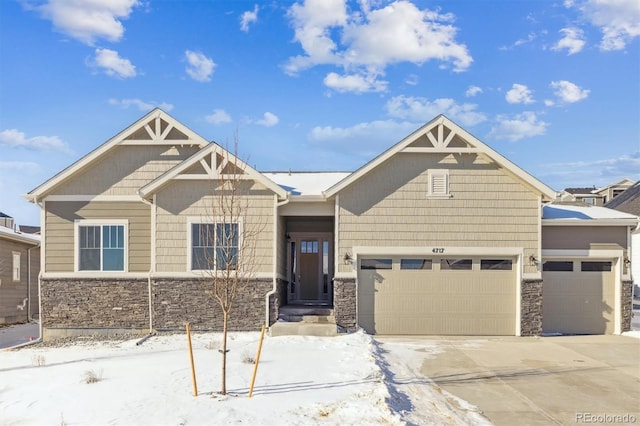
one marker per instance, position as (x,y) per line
(214,246)
(101,248)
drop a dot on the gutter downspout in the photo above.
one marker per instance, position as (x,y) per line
(152,260)
(29,314)
(273,291)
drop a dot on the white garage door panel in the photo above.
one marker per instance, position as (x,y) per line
(578,302)
(449,302)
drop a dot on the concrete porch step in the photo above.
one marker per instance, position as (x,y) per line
(282,328)
(323,319)
(305,320)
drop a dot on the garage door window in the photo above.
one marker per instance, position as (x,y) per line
(375,264)
(456,264)
(558,266)
(595,267)
(496,264)
(416,264)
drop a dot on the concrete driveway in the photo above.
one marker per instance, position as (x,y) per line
(535,381)
(19,333)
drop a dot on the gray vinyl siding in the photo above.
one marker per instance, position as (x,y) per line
(59,231)
(124,170)
(389,207)
(582,237)
(14,295)
(185,198)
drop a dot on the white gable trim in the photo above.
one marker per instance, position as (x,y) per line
(157,138)
(441,145)
(211,150)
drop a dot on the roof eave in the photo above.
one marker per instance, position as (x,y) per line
(590,222)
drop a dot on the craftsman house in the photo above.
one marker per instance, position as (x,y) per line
(439,234)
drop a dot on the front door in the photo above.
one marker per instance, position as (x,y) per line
(310,268)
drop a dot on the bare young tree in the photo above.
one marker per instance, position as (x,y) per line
(226,250)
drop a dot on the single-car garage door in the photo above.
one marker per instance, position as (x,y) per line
(578,297)
(437,295)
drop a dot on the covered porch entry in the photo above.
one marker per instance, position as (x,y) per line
(309,260)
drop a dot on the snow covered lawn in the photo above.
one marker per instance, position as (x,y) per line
(301,380)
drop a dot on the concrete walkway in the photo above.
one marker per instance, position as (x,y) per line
(538,381)
(20,333)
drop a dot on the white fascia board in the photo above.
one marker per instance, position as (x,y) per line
(324,208)
(589,222)
(202,274)
(601,254)
(95,274)
(96,198)
(22,238)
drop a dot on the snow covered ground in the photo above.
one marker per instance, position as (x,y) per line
(342,380)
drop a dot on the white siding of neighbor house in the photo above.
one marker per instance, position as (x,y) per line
(184,199)
(389,207)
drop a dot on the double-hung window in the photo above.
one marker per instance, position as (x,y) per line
(101,246)
(214,246)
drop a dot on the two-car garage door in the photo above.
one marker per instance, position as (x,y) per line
(437,295)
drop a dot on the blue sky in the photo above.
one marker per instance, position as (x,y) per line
(323,84)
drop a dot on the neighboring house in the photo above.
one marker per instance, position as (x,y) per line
(584,195)
(439,234)
(609,192)
(19,269)
(629,202)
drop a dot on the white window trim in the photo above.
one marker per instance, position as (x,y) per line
(99,222)
(16,267)
(434,173)
(196,220)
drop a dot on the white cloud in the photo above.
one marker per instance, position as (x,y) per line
(87,21)
(597,173)
(199,68)
(357,83)
(363,139)
(518,127)
(249,17)
(519,94)
(473,91)
(366,41)
(573,40)
(619,20)
(16,139)
(569,92)
(112,64)
(269,120)
(21,166)
(421,110)
(140,104)
(529,39)
(411,80)
(218,116)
